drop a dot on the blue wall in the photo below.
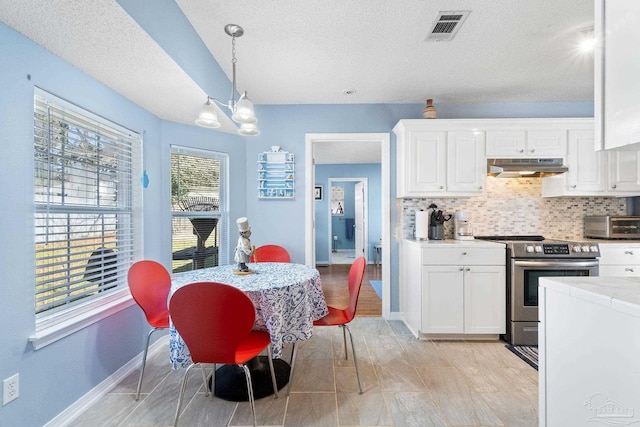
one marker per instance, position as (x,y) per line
(82,360)
(79,362)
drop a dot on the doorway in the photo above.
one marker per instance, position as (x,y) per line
(361,144)
(348,219)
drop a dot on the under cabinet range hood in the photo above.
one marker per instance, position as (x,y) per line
(524,168)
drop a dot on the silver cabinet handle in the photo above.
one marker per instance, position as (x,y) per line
(533,150)
(468,269)
(464,253)
(629,269)
(614,186)
(574,186)
(461,269)
(628,252)
(522,150)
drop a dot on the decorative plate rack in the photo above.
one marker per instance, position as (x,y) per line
(276,171)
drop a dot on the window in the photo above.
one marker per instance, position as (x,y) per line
(199,209)
(88,224)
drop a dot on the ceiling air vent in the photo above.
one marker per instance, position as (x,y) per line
(446,25)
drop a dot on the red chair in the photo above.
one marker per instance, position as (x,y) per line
(270,253)
(341,317)
(215,322)
(150,284)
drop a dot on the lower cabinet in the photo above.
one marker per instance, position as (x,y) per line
(619,259)
(453,289)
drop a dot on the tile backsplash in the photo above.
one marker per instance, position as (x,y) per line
(515,207)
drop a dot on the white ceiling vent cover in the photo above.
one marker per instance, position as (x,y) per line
(447,25)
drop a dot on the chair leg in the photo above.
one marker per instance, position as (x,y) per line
(344,338)
(204,380)
(144,362)
(247,375)
(355,359)
(273,372)
(182,390)
(294,349)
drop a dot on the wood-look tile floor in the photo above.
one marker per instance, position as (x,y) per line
(406,382)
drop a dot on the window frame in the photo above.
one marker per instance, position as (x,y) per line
(222,214)
(57,323)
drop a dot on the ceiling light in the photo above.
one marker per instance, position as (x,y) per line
(587,40)
(241,109)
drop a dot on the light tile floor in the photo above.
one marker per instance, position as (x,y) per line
(343,256)
(406,383)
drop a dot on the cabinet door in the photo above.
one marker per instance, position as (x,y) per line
(586,165)
(442,300)
(624,171)
(546,143)
(484,300)
(425,163)
(616,73)
(466,164)
(506,143)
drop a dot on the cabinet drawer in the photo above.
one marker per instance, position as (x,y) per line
(619,271)
(619,254)
(463,256)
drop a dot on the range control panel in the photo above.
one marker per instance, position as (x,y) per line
(555,249)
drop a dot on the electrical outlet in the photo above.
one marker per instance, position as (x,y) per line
(10,389)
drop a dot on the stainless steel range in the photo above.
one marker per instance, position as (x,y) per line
(528,259)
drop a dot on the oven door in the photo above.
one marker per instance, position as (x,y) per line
(525,276)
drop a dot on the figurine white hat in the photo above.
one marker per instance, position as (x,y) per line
(243,224)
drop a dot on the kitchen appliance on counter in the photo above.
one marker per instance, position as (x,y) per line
(612,227)
(528,259)
(462,229)
(436,224)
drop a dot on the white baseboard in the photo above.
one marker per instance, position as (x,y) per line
(98,392)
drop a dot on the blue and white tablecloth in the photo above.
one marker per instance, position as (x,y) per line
(288,298)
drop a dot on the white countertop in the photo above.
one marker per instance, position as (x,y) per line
(457,243)
(618,293)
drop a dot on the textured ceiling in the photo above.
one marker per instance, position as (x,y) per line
(309,52)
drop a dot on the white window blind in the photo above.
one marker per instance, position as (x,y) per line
(88,200)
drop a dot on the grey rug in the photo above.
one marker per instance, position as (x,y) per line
(528,353)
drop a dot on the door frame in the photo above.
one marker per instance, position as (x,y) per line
(385,188)
(365,229)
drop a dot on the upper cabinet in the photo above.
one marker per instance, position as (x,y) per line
(532,143)
(594,173)
(448,157)
(439,158)
(617,67)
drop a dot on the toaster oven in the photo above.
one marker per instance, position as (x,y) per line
(612,227)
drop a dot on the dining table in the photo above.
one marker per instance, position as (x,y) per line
(288,297)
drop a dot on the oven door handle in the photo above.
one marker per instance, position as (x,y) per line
(557,264)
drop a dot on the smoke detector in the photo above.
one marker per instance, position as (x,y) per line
(447,25)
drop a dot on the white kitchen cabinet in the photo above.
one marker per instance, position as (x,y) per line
(453,289)
(619,259)
(594,173)
(466,164)
(624,173)
(434,160)
(526,143)
(616,71)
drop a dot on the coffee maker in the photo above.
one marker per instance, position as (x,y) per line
(462,227)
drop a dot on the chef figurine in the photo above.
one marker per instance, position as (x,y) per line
(244,250)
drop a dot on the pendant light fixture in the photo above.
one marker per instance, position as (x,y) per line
(241,109)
